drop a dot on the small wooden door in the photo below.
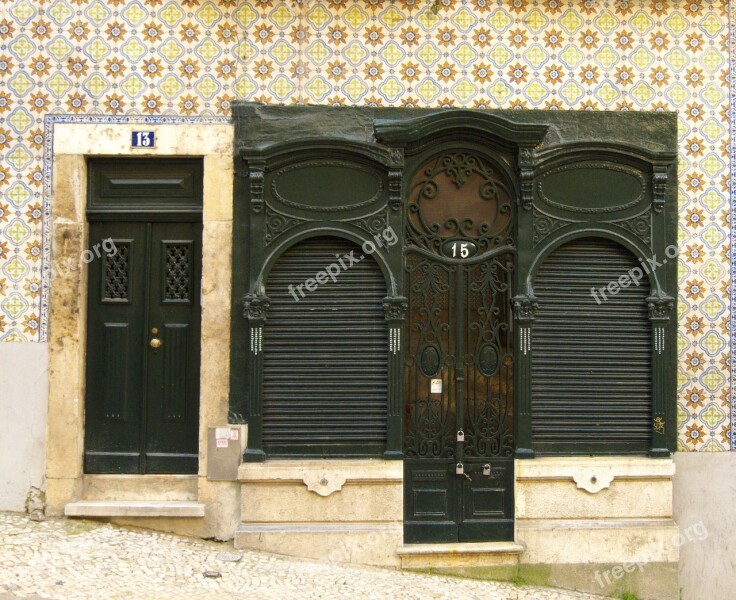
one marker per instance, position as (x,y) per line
(143,346)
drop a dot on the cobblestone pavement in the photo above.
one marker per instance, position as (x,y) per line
(74,559)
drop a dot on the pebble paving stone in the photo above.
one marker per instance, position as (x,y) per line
(60,559)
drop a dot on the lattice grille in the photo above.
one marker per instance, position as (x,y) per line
(117,273)
(177,271)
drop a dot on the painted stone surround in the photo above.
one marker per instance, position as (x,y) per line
(76,60)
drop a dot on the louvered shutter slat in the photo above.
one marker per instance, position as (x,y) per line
(591,363)
(325,364)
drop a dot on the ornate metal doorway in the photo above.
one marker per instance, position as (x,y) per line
(458,413)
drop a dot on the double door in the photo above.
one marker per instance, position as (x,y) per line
(143,345)
(458,422)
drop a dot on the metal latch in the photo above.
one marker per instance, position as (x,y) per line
(486,469)
(461,436)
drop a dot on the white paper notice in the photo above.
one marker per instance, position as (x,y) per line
(222,433)
(222,443)
(436,386)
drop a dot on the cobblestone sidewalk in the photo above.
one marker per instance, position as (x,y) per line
(71,559)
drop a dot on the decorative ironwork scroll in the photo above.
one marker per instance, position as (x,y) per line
(430,412)
(459,195)
(459,360)
(488,361)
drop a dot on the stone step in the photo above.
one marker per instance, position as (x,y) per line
(134,508)
(155,488)
(460,555)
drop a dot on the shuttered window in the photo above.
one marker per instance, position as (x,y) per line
(591,362)
(325,363)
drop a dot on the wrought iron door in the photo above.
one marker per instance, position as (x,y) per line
(458,422)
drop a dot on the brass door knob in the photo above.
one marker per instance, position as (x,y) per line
(156,343)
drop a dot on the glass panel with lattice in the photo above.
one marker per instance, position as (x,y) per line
(177,285)
(116,285)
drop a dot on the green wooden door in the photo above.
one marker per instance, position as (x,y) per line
(143,344)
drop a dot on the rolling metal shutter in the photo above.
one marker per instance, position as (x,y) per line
(325,363)
(591,363)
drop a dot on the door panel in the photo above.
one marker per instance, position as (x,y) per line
(142,402)
(116,394)
(432,504)
(115,362)
(459,336)
(173,373)
(488,501)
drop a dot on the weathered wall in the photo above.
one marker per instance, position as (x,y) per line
(191,58)
(23,401)
(81,59)
(704,492)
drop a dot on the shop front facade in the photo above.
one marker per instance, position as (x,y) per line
(297,275)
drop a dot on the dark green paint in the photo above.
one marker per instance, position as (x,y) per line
(325,354)
(134,189)
(576,188)
(529,145)
(142,404)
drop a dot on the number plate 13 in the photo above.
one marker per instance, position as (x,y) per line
(459,248)
(143,139)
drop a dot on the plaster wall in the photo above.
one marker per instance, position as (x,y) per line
(23,402)
(344,510)
(578,518)
(704,508)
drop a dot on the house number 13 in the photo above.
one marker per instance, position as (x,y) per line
(143,139)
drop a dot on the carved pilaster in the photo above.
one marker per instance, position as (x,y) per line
(395,309)
(526,177)
(661,309)
(659,188)
(525,311)
(256,176)
(525,308)
(255,307)
(395,179)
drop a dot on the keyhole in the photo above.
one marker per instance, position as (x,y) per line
(594,480)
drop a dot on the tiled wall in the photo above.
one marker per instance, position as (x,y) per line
(193,57)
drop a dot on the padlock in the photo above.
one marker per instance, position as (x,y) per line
(486,469)
(459,469)
(461,436)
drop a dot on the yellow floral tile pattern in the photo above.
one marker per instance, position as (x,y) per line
(192,58)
